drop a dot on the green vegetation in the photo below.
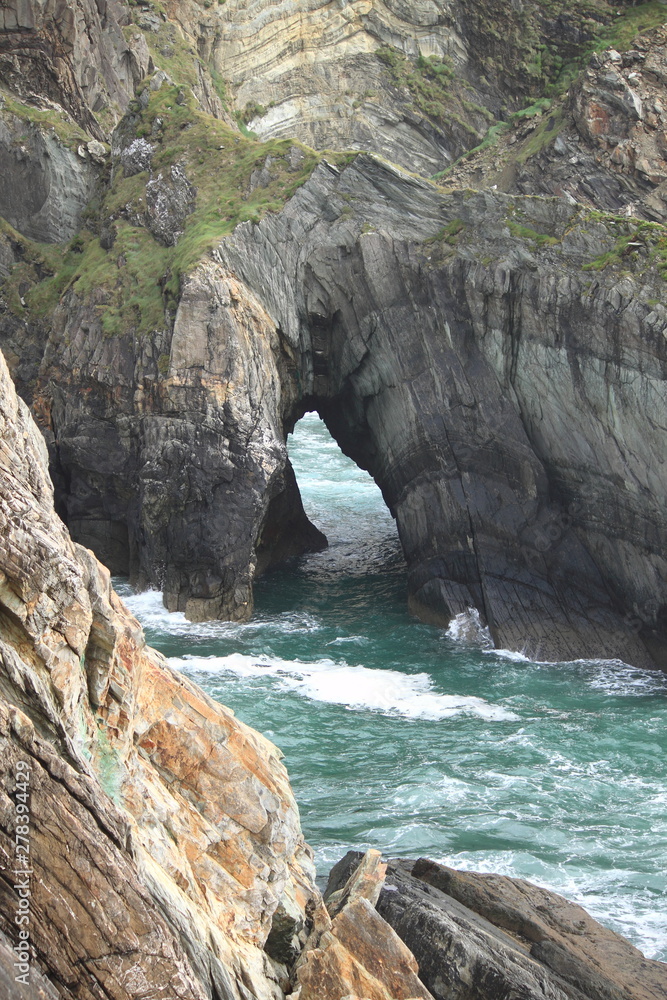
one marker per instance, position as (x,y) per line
(540,138)
(67,130)
(524,233)
(618,33)
(252,110)
(427,80)
(448,234)
(640,243)
(137,281)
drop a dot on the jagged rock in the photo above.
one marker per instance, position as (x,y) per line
(169,201)
(76,55)
(136,156)
(358,953)
(313,72)
(456,348)
(506,399)
(164,834)
(611,127)
(479,937)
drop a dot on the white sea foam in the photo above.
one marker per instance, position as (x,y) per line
(409,696)
(467,628)
(151,612)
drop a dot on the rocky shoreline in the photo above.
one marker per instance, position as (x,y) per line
(214,218)
(166,857)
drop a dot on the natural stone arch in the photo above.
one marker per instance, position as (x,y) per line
(468,370)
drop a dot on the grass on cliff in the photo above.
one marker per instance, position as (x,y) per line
(428,81)
(638,245)
(137,281)
(552,74)
(69,133)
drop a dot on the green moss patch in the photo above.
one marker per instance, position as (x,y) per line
(64,127)
(637,246)
(428,81)
(136,282)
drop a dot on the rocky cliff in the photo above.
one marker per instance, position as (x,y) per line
(496,362)
(163,835)
(187,267)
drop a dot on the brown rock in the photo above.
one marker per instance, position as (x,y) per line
(164,834)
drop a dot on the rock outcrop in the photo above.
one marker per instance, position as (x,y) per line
(497,363)
(602,145)
(149,842)
(163,832)
(418,83)
(75,55)
(48,184)
(479,937)
(464,347)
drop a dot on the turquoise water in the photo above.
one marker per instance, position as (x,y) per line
(400,736)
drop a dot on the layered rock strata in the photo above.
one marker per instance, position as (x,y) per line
(497,364)
(485,936)
(418,83)
(163,833)
(507,400)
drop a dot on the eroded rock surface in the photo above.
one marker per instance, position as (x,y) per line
(73,54)
(164,834)
(46,184)
(497,363)
(508,402)
(480,937)
(602,145)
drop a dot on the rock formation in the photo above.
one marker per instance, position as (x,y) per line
(478,936)
(164,836)
(497,363)
(176,291)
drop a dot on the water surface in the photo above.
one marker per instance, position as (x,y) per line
(400,736)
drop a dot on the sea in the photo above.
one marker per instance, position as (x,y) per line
(430,743)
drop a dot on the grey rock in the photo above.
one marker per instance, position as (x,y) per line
(470,374)
(480,937)
(77,56)
(169,201)
(46,186)
(136,157)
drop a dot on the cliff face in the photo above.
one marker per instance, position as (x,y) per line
(164,836)
(504,392)
(149,842)
(496,362)
(602,145)
(418,83)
